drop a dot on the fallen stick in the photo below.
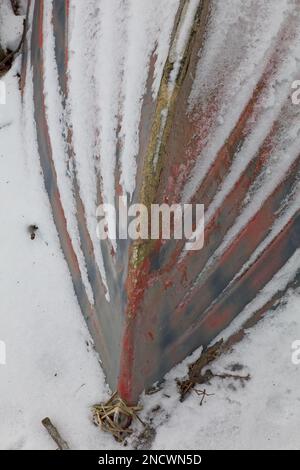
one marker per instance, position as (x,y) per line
(232,376)
(62,445)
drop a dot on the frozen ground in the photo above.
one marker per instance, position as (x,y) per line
(52,370)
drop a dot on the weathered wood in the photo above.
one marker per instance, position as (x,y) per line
(62,445)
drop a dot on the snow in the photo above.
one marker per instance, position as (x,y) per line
(239,42)
(115,37)
(149,26)
(52,369)
(10,26)
(244,57)
(33,323)
(280,223)
(182,36)
(124,34)
(57,133)
(82,115)
(262,414)
(36,312)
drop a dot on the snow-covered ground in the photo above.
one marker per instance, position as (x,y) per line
(51,368)
(262,413)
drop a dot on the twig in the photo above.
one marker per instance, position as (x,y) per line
(203,394)
(195,375)
(62,445)
(232,376)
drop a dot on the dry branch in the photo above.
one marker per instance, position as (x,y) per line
(195,375)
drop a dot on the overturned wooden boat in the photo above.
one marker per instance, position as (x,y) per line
(193,105)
